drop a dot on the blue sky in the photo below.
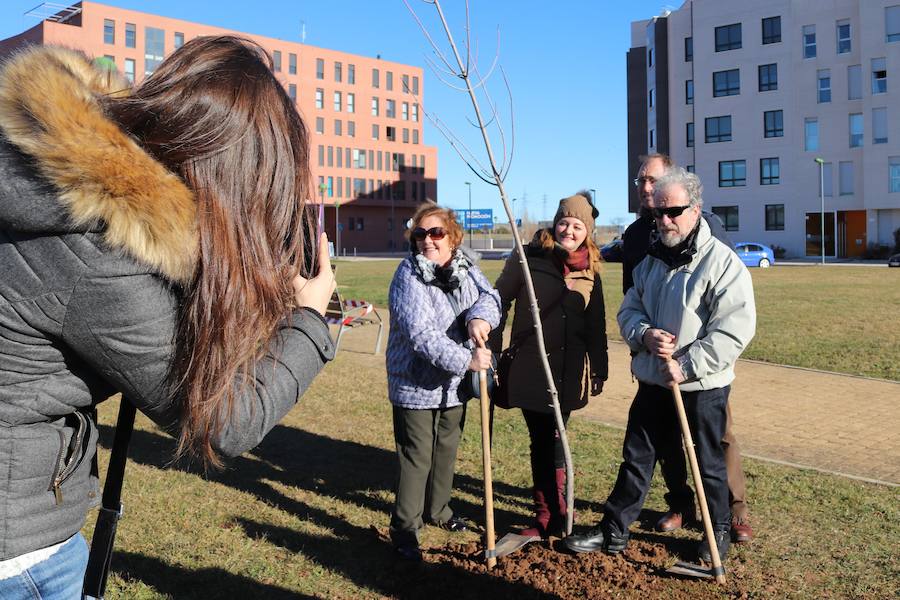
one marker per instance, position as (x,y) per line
(565,62)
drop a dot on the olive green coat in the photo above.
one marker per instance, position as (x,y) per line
(573,316)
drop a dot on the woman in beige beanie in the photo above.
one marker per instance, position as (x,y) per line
(564,264)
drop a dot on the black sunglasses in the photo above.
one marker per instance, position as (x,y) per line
(435,233)
(670,211)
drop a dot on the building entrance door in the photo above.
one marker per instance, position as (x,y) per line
(814,234)
(851,233)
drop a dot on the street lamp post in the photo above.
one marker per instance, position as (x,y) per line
(469,215)
(322,206)
(821,162)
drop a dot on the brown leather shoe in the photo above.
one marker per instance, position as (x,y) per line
(670,521)
(741,532)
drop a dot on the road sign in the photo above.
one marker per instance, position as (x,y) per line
(477,218)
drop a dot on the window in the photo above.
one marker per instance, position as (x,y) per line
(405,137)
(320,125)
(390,109)
(415,88)
(390,134)
(879,126)
(892,23)
(359,187)
(351,74)
(321,156)
(375,78)
(718,129)
(879,76)
(351,102)
(843,36)
(154,48)
(320,68)
(845,178)
(728,37)
(276,61)
(824,77)
(331,155)
(374,132)
(338,128)
(388,80)
(732,173)
(774,217)
(130,35)
(337,102)
(415,113)
(768,77)
(650,98)
(404,111)
(690,135)
(338,72)
(690,169)
(292,64)
(109,31)
(320,98)
(652,142)
(415,136)
(292,92)
(351,128)
(129,69)
(649,57)
(809,41)
(811,134)
(374,106)
(828,176)
(179,40)
(726,83)
(688,49)
(405,83)
(894,174)
(773,123)
(856,130)
(769,171)
(854,82)
(359,158)
(728,215)
(771,30)
(689,91)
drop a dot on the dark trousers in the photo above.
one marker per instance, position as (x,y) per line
(427,441)
(653,431)
(546,449)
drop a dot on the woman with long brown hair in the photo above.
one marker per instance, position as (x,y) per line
(153,242)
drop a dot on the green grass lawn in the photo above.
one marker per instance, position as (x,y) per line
(306,513)
(842,319)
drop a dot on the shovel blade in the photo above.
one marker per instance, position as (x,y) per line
(511,542)
(690,570)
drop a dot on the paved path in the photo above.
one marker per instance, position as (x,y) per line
(826,421)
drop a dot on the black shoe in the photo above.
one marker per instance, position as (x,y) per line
(723,542)
(454,524)
(409,552)
(602,537)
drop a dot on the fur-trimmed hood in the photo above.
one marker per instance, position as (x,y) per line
(49,111)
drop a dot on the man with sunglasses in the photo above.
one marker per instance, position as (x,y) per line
(635,243)
(688,317)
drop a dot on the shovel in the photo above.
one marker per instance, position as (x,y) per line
(490,554)
(684,568)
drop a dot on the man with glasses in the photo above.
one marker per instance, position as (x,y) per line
(687,318)
(680,498)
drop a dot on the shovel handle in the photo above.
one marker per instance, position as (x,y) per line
(485,401)
(718,570)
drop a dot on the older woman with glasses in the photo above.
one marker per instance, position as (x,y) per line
(442,310)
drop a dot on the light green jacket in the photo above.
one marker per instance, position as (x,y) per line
(707,304)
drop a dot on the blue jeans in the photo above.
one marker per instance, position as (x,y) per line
(60,577)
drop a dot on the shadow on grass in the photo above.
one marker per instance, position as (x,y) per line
(178,582)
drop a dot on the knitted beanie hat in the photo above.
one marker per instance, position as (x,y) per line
(579,207)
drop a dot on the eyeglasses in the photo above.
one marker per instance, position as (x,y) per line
(645,179)
(670,211)
(435,233)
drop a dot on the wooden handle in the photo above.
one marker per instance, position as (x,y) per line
(698,485)
(490,559)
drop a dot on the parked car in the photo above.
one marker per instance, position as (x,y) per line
(894,261)
(755,254)
(612,252)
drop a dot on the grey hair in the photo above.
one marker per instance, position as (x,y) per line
(678,176)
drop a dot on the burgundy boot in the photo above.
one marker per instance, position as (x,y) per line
(541,515)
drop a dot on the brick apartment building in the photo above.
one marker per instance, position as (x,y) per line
(369,162)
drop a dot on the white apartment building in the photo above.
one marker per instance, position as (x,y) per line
(749,94)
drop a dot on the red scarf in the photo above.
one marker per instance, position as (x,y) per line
(578,260)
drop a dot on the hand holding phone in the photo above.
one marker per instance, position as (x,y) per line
(316,292)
